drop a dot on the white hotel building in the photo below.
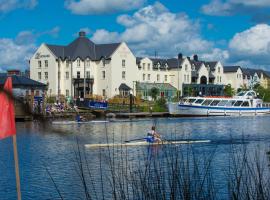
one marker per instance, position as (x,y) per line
(83,68)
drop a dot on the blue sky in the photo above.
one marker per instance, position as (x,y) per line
(233,31)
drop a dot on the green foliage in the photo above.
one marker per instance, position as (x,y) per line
(51,99)
(160,105)
(263,93)
(229,91)
(154,93)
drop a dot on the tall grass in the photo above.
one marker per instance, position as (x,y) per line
(171,172)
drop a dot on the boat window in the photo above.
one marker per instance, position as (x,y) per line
(230,103)
(238,103)
(215,102)
(245,104)
(241,94)
(191,100)
(223,103)
(207,102)
(199,101)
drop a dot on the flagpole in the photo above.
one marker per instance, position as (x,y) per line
(18,185)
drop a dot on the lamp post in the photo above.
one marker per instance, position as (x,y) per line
(130,101)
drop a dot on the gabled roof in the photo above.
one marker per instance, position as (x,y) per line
(22,81)
(197,64)
(83,48)
(212,65)
(228,69)
(248,72)
(123,86)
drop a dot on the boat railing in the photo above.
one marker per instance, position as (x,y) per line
(267,105)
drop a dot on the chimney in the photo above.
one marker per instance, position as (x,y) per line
(196,58)
(82,34)
(180,56)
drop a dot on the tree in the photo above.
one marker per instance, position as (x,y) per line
(154,93)
(229,91)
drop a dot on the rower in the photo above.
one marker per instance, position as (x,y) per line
(79,118)
(153,136)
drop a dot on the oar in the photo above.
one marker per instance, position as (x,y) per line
(135,139)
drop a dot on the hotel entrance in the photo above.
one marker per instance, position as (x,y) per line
(79,88)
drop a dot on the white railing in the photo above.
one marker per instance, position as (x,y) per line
(266,105)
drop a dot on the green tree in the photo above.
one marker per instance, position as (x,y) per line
(229,91)
(262,93)
(154,93)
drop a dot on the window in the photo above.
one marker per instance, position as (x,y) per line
(67,93)
(67,75)
(148,66)
(186,67)
(165,78)
(104,92)
(223,103)
(184,78)
(46,63)
(218,69)
(67,63)
(39,64)
(220,79)
(143,77)
(191,100)
(230,103)
(123,63)
(46,75)
(238,103)
(245,104)
(158,77)
(123,75)
(207,102)
(78,63)
(148,77)
(78,74)
(87,74)
(199,101)
(37,93)
(143,66)
(87,63)
(103,62)
(39,75)
(215,102)
(187,78)
(103,75)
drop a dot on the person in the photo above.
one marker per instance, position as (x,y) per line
(79,118)
(153,136)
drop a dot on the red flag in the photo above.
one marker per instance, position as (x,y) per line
(7,116)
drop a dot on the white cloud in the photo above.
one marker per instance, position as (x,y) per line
(251,45)
(89,7)
(155,28)
(230,7)
(14,55)
(9,5)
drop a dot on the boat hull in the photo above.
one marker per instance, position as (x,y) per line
(193,110)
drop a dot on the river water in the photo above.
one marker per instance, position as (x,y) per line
(49,150)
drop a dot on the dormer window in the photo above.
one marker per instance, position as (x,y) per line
(143,66)
(186,67)
(218,69)
(148,66)
(103,62)
(78,63)
(88,63)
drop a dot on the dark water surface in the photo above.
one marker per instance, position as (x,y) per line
(53,147)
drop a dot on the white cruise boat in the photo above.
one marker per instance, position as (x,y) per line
(244,103)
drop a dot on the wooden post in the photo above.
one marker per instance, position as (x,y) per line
(18,185)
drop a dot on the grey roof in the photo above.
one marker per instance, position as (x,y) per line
(160,86)
(197,64)
(228,69)
(248,72)
(138,60)
(212,65)
(83,48)
(22,82)
(123,86)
